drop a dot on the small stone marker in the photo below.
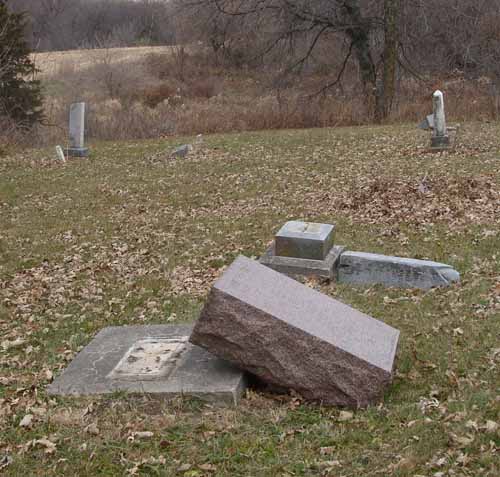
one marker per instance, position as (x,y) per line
(294,337)
(304,240)
(156,360)
(440,138)
(60,154)
(428,123)
(182,151)
(361,268)
(77,131)
(303,248)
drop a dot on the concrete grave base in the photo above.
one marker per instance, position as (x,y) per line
(360,268)
(439,143)
(154,360)
(301,266)
(77,152)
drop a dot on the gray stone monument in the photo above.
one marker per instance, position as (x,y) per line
(440,138)
(77,131)
(359,268)
(303,248)
(294,337)
(155,360)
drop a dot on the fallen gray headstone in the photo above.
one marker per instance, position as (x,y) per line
(428,123)
(294,337)
(77,131)
(156,360)
(182,151)
(360,268)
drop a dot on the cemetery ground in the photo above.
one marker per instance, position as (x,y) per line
(131,236)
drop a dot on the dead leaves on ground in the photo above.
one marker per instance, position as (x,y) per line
(173,225)
(456,201)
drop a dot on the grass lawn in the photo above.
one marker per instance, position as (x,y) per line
(130,236)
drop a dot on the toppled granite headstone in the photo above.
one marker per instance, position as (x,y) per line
(156,360)
(360,268)
(294,337)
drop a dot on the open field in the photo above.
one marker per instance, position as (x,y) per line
(54,63)
(130,236)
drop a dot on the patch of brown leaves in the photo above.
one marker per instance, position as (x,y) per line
(457,201)
(193,281)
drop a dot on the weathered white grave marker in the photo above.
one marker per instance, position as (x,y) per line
(440,138)
(60,154)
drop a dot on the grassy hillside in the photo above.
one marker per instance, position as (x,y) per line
(131,236)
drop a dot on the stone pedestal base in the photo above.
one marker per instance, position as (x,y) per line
(301,266)
(440,142)
(77,152)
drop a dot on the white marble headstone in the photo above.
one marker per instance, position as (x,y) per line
(77,125)
(439,116)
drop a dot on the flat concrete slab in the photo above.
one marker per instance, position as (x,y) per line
(305,240)
(155,360)
(292,266)
(360,268)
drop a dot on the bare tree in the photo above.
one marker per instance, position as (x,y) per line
(352,22)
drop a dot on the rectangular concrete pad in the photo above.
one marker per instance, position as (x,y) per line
(193,372)
(304,240)
(295,337)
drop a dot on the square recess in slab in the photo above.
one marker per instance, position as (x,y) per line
(150,358)
(304,240)
(154,360)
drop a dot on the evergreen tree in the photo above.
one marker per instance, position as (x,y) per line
(20,95)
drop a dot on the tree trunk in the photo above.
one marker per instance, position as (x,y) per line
(359,34)
(387,91)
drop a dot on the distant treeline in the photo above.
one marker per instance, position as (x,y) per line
(71,24)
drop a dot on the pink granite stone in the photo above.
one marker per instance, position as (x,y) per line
(292,336)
